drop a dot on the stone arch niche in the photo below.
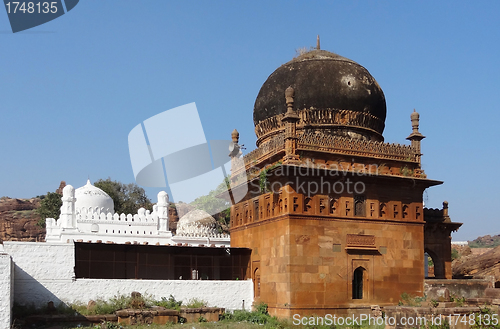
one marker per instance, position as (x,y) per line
(359,278)
(439,266)
(256,283)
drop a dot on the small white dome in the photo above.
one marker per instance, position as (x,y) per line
(197,223)
(93,199)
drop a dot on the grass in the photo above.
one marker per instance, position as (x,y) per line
(169,303)
(135,301)
(279,324)
(196,303)
(99,307)
(201,325)
(24,213)
(239,319)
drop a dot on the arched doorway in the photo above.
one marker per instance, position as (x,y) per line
(436,265)
(357,283)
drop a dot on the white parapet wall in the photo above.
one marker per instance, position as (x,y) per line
(44,272)
(6,290)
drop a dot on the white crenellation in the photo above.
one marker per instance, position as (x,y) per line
(95,224)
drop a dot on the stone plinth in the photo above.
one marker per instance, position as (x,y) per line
(149,316)
(193,315)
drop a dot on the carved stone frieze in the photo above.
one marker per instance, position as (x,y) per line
(356,240)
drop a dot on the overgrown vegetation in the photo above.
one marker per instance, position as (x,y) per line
(169,303)
(407,172)
(107,306)
(459,300)
(240,319)
(484,319)
(303,50)
(97,307)
(196,303)
(258,316)
(101,306)
(410,300)
(264,173)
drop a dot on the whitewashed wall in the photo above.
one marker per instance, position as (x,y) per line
(6,288)
(45,272)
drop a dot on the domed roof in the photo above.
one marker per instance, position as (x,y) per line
(197,223)
(94,199)
(323,81)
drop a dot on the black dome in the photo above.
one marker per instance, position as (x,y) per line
(321,80)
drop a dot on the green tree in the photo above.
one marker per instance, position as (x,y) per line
(211,203)
(127,198)
(50,207)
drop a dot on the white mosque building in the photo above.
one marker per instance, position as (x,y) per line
(88,215)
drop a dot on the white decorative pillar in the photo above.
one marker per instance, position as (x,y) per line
(162,212)
(68,216)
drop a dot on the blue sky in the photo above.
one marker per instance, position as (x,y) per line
(72,89)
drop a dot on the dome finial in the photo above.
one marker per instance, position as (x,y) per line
(235,136)
(317,43)
(289,94)
(415,136)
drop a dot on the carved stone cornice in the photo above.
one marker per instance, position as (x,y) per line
(355,147)
(323,119)
(333,145)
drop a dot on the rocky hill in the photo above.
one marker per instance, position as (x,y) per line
(486,241)
(478,265)
(18,220)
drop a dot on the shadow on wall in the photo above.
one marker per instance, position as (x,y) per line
(30,293)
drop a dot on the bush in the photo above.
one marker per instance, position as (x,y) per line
(258,316)
(169,303)
(196,303)
(127,198)
(459,300)
(101,306)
